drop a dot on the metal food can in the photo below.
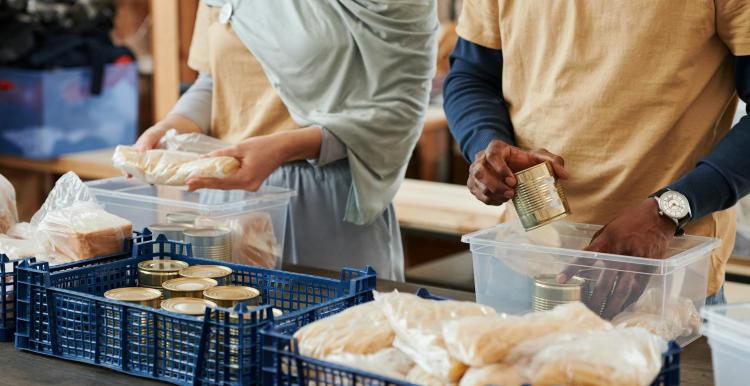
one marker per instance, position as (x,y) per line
(187,287)
(187,306)
(170,231)
(539,197)
(186,218)
(589,277)
(138,295)
(219,273)
(152,273)
(229,295)
(211,243)
(548,293)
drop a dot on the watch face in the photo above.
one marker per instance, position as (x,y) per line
(674,205)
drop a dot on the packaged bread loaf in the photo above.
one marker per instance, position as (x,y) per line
(253,238)
(418,376)
(84,230)
(418,325)
(494,374)
(8,210)
(168,167)
(619,357)
(482,340)
(360,330)
(669,319)
(16,249)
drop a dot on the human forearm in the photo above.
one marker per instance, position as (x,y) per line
(723,177)
(474,105)
(300,144)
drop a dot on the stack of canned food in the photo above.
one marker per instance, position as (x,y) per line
(175,286)
(210,243)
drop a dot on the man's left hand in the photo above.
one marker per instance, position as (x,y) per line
(641,232)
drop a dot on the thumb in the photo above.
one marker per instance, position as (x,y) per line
(229,151)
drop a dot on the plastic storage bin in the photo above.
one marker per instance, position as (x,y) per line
(507,260)
(48,113)
(61,312)
(728,330)
(8,269)
(257,220)
(280,353)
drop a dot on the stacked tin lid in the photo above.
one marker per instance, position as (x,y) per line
(548,293)
(211,243)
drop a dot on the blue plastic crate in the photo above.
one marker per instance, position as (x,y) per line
(62,313)
(8,269)
(283,364)
(48,113)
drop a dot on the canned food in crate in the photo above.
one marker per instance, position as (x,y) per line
(187,306)
(230,295)
(152,273)
(138,295)
(219,273)
(211,243)
(539,197)
(548,293)
(186,218)
(187,287)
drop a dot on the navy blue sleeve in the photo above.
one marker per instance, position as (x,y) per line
(473,98)
(723,177)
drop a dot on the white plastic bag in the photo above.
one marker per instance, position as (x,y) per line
(418,324)
(482,340)
(362,330)
(70,223)
(167,167)
(494,374)
(669,319)
(191,142)
(389,362)
(623,357)
(16,249)
(8,211)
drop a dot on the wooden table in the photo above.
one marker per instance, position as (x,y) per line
(22,368)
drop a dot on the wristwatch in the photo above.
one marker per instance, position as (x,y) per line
(674,206)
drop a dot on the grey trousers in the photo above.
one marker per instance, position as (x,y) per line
(317,235)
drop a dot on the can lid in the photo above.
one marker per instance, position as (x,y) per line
(187,306)
(133,294)
(231,292)
(189,284)
(207,232)
(208,271)
(162,265)
(156,228)
(182,217)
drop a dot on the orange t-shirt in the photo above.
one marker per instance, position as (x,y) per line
(630,93)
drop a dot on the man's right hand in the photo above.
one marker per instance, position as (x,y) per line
(491,176)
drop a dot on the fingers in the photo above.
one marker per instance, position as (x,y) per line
(485,184)
(558,163)
(196,183)
(572,269)
(496,159)
(229,151)
(620,294)
(602,291)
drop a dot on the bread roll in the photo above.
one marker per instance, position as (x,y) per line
(482,340)
(418,324)
(669,319)
(362,330)
(389,362)
(168,167)
(494,374)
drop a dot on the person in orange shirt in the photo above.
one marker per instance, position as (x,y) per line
(631,101)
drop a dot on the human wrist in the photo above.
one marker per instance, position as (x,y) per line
(298,144)
(665,224)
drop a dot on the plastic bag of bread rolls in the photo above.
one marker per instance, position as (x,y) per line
(253,238)
(622,357)
(389,362)
(190,142)
(478,341)
(8,211)
(418,325)
(494,374)
(167,167)
(670,320)
(418,376)
(361,330)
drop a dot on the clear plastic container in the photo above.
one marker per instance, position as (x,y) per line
(48,113)
(507,260)
(257,220)
(728,330)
